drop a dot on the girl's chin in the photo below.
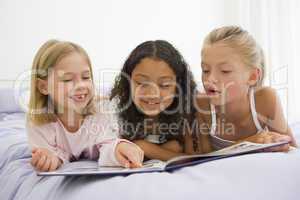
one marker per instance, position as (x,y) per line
(77,108)
(150,113)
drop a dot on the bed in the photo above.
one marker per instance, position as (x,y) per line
(264,176)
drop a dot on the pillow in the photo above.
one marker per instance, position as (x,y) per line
(10,100)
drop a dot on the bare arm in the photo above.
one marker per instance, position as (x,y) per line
(202,141)
(204,145)
(161,152)
(275,119)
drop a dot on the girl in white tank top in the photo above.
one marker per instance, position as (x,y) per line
(232,69)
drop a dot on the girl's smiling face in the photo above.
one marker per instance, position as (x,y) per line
(225,77)
(70,84)
(153,86)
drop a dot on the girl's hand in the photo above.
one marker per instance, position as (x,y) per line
(271,137)
(44,160)
(129,155)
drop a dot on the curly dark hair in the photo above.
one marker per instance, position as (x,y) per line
(163,51)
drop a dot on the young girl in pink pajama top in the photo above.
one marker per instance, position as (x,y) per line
(64,121)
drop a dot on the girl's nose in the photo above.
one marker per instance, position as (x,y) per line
(212,78)
(153,91)
(79,84)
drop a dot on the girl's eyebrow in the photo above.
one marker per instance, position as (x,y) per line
(219,64)
(86,72)
(65,74)
(160,78)
(167,77)
(68,74)
(71,73)
(203,63)
(142,75)
(224,63)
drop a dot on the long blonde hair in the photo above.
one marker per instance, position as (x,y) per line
(41,109)
(244,44)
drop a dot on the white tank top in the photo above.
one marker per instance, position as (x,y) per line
(219,143)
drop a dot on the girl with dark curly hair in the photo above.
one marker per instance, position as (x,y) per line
(154,94)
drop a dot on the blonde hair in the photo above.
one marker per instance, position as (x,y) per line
(244,44)
(41,109)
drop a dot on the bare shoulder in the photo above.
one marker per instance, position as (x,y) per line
(266,101)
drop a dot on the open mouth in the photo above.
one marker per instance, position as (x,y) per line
(79,97)
(212,92)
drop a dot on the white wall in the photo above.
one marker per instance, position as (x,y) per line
(275,25)
(108,30)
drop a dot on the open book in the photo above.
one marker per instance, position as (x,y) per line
(92,168)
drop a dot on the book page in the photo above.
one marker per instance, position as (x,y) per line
(240,148)
(91,167)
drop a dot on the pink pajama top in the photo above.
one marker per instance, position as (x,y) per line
(96,139)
